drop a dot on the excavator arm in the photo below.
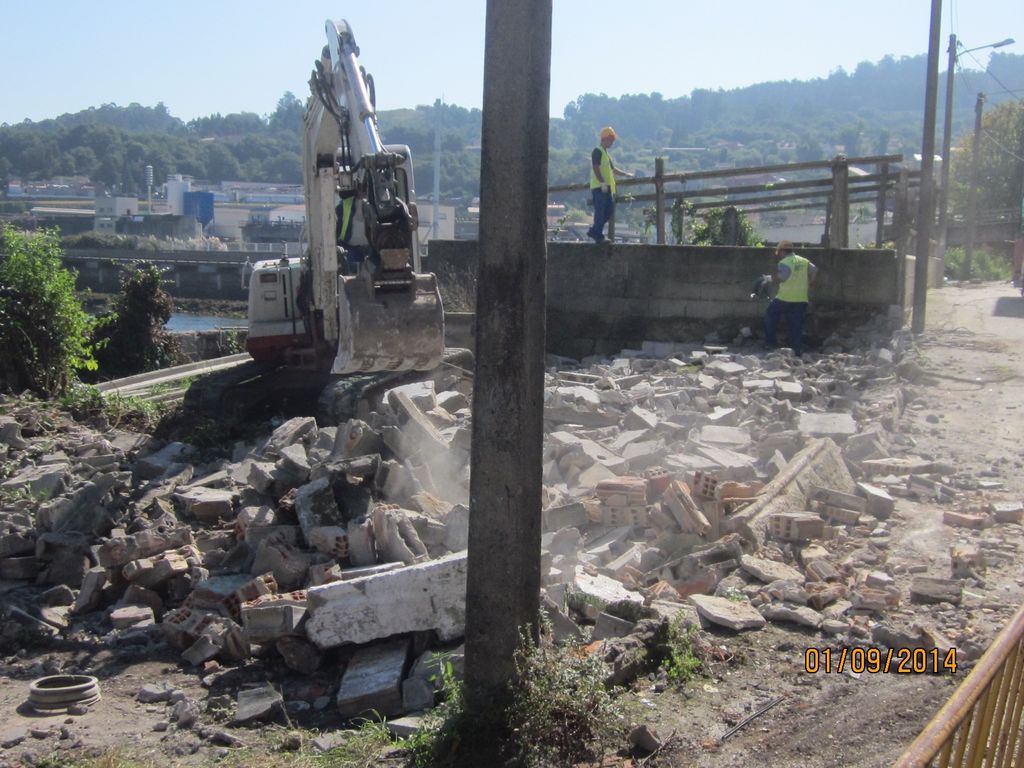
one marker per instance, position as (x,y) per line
(364,302)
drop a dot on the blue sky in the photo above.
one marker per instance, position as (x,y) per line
(230,56)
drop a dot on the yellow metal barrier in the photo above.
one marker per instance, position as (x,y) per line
(980,725)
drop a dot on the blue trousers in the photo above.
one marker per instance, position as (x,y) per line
(604,204)
(793,312)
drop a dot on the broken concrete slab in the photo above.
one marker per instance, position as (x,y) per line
(767,571)
(372,682)
(258,704)
(419,597)
(731,614)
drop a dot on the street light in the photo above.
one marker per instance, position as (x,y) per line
(947,130)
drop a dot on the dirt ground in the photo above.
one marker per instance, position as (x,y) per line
(962,409)
(962,406)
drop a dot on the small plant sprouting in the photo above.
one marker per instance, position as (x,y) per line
(682,663)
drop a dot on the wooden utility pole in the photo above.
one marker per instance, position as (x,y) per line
(503,589)
(972,200)
(926,200)
(839,222)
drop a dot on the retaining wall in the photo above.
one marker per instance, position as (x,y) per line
(190,274)
(603,298)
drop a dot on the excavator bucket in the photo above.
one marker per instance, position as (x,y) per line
(388,327)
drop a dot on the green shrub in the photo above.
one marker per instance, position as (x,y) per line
(44,330)
(985,264)
(561,713)
(132,339)
(682,663)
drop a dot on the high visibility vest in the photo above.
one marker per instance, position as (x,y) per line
(795,288)
(606,171)
(345,220)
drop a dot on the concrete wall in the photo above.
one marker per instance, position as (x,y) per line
(190,274)
(602,299)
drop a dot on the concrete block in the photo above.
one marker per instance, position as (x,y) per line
(90,592)
(288,565)
(330,540)
(120,550)
(315,506)
(131,616)
(207,505)
(362,548)
(155,464)
(291,432)
(802,615)
(293,462)
(425,596)
(608,626)
(834,425)
(24,568)
(372,682)
(45,482)
(795,526)
(928,589)
(299,654)
(878,502)
(271,617)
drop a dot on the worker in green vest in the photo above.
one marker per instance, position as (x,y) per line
(602,184)
(794,276)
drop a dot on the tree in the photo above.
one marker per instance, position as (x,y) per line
(132,339)
(1000,162)
(713,229)
(43,327)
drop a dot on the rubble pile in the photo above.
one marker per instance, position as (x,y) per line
(726,489)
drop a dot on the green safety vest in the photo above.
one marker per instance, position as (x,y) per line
(795,288)
(606,171)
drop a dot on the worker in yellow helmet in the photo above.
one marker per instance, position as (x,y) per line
(794,276)
(602,184)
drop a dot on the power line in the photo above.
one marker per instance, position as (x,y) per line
(1007,150)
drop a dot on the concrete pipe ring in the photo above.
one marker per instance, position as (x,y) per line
(62,691)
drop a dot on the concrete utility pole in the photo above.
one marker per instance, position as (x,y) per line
(926,207)
(972,200)
(947,138)
(503,589)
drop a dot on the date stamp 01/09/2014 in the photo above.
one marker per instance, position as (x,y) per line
(860,659)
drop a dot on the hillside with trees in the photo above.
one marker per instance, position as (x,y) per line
(878,108)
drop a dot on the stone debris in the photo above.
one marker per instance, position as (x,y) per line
(725,488)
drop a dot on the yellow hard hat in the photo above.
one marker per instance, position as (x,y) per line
(608,132)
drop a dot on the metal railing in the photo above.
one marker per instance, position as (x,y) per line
(980,725)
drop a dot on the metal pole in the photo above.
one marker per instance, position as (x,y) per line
(947,161)
(926,207)
(972,200)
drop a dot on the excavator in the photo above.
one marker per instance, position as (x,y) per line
(357,300)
